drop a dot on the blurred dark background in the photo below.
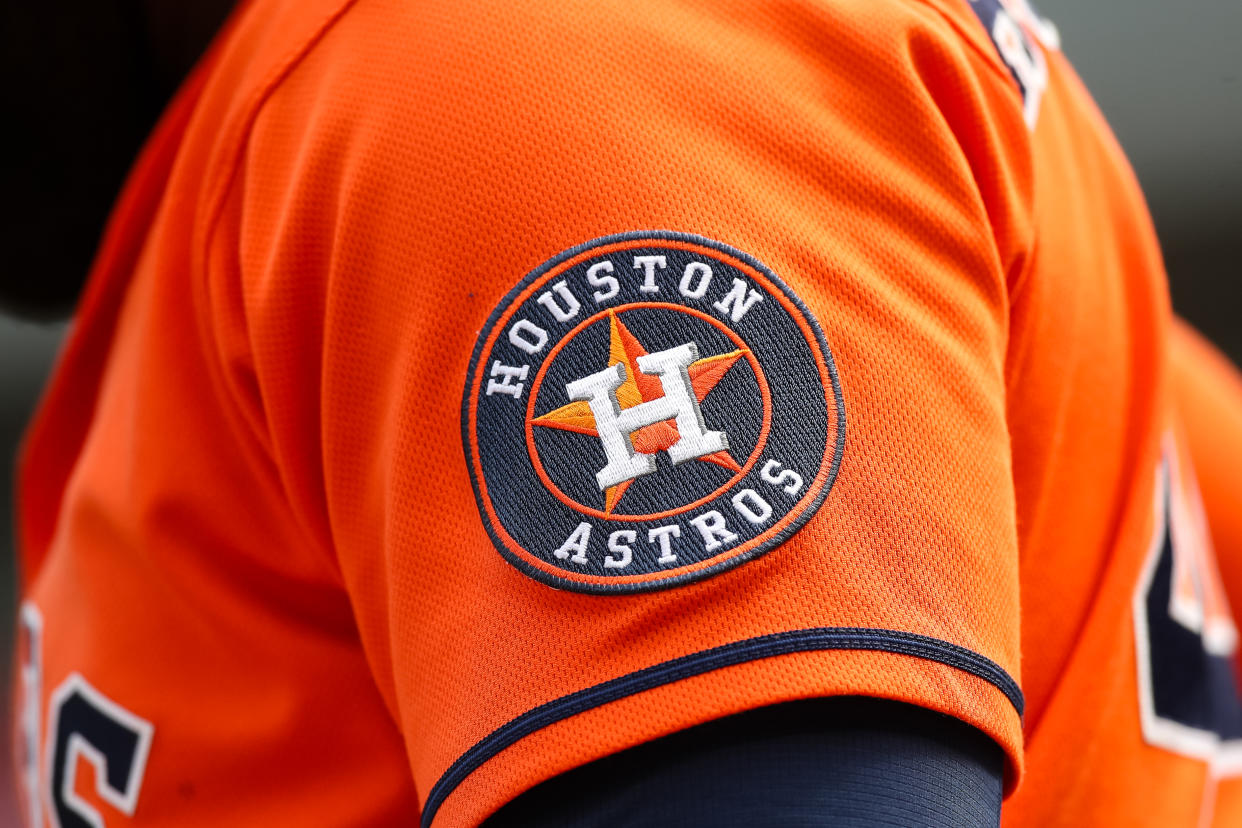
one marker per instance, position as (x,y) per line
(86,83)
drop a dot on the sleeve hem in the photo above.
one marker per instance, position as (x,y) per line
(706,661)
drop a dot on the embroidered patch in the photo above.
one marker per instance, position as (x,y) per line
(646,410)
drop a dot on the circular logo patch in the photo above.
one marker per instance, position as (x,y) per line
(647,410)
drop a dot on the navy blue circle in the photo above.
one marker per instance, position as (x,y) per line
(806,420)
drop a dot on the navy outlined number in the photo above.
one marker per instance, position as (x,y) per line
(82,724)
(1020,35)
(85,724)
(1185,636)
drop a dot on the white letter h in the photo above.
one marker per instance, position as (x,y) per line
(615,426)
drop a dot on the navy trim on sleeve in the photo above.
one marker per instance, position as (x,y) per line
(695,664)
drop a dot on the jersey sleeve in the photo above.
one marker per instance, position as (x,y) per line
(743,271)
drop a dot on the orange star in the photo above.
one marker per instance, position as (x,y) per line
(624,347)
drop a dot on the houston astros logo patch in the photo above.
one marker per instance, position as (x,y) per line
(646,410)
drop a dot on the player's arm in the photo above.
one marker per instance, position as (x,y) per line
(642,365)
(818,762)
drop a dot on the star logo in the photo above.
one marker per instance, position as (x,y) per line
(637,388)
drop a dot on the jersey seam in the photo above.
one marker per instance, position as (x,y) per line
(990,56)
(217,199)
(233,152)
(706,661)
(974,35)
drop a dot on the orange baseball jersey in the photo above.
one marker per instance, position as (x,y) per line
(466,391)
